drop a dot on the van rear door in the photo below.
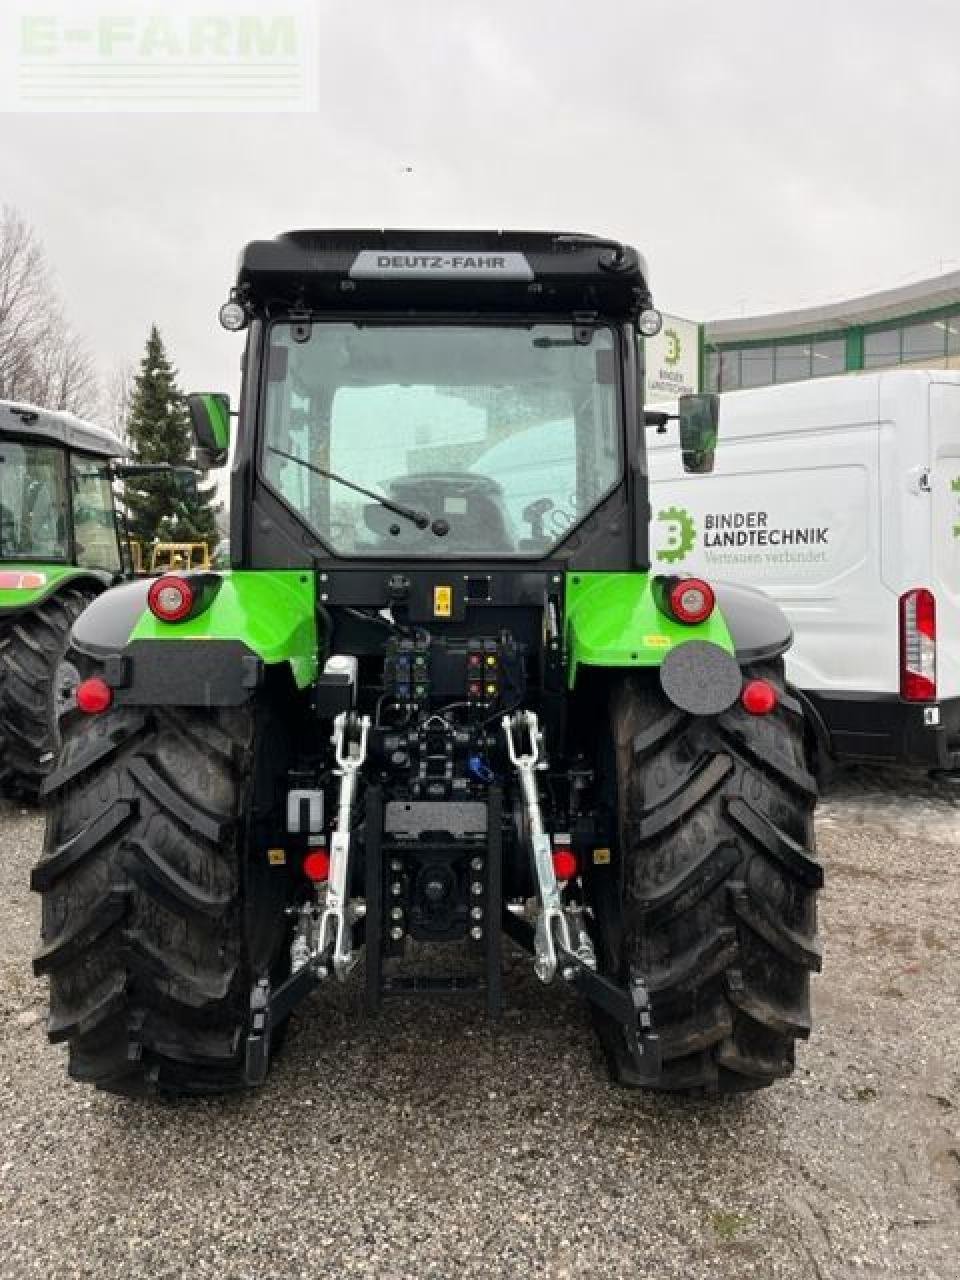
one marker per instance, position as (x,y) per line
(945,531)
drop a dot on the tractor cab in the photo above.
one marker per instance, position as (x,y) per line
(57,508)
(60,545)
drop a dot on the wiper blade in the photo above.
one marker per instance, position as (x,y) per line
(419,518)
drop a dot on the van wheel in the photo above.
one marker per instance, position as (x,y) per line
(712,894)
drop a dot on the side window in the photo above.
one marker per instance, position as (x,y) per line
(94,521)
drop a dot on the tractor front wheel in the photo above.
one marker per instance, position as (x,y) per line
(161,908)
(711,897)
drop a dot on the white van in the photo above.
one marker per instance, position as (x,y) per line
(840,498)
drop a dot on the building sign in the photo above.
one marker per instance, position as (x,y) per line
(673,360)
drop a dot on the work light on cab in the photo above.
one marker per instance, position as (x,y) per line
(170,598)
(691,600)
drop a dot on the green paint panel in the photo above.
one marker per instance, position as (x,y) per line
(54,576)
(272,611)
(613,621)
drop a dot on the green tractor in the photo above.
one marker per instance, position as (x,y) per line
(438,698)
(60,546)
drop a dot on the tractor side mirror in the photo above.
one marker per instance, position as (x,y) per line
(210,419)
(699,422)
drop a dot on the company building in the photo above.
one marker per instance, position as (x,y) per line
(912,326)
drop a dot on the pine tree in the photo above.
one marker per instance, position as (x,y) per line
(158,429)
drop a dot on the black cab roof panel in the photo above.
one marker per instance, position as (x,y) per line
(445,270)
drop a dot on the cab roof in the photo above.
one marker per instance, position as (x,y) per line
(57,427)
(438,271)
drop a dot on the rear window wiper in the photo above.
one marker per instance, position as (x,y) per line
(419,518)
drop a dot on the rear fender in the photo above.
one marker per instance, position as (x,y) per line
(24,586)
(258,620)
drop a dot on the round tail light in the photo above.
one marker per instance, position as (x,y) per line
(93,696)
(692,600)
(759,697)
(316,866)
(564,864)
(170,598)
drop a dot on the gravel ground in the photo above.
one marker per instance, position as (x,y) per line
(429,1145)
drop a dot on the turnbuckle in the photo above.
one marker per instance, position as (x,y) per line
(335,931)
(553,929)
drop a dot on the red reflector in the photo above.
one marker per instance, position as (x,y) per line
(94,695)
(564,864)
(918,645)
(170,598)
(692,600)
(316,866)
(759,697)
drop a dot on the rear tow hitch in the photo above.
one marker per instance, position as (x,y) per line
(559,939)
(323,938)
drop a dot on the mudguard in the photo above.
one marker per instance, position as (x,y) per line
(256,620)
(758,626)
(24,586)
(613,621)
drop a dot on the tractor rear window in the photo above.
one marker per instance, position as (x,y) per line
(33,502)
(502,437)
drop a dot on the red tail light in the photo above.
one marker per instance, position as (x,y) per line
(759,697)
(170,598)
(918,645)
(564,864)
(316,866)
(691,600)
(94,696)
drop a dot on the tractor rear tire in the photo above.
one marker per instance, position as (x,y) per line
(712,896)
(32,646)
(161,908)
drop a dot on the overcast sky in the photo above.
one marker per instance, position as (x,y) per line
(761,154)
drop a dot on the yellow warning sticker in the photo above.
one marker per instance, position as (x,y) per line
(277,857)
(601,857)
(657,642)
(443,602)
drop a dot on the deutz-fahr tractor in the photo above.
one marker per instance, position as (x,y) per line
(437,702)
(59,548)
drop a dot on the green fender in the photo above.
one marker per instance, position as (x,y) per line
(612,620)
(37,582)
(272,612)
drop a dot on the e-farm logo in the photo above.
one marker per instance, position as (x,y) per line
(674,348)
(679,533)
(185,55)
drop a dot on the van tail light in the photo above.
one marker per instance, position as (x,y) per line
(918,645)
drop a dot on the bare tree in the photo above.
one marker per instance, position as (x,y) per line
(114,408)
(42,360)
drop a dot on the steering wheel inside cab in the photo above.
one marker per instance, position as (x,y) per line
(467,514)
